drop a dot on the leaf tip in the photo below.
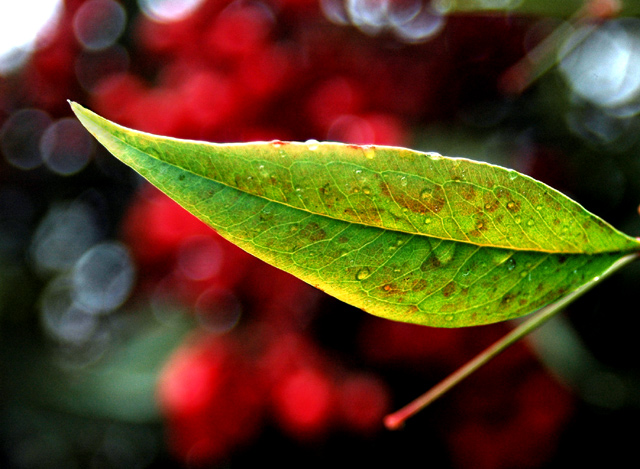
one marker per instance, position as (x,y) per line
(75,107)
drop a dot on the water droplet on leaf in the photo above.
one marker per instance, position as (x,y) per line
(369,152)
(312,144)
(363,274)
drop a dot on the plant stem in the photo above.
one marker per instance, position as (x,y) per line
(562,9)
(396,420)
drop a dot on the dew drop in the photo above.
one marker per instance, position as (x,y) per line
(363,274)
(511,264)
(403,181)
(312,144)
(513,175)
(369,153)
(425,194)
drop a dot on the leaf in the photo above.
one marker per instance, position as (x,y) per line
(405,235)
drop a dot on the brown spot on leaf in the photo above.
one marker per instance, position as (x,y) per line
(449,289)
(436,200)
(350,213)
(384,190)
(491,205)
(430,263)
(370,215)
(467,191)
(318,235)
(506,299)
(402,199)
(419,285)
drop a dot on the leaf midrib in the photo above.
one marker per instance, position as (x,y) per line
(101,125)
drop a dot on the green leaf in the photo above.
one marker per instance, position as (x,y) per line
(405,235)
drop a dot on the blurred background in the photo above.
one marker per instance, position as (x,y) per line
(132,336)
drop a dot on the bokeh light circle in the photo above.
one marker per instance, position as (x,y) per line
(99,23)
(61,316)
(168,10)
(20,136)
(602,65)
(103,277)
(66,146)
(63,235)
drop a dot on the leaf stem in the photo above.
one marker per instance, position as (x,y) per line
(397,419)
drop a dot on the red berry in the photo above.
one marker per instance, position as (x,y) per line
(240,30)
(303,403)
(363,402)
(212,399)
